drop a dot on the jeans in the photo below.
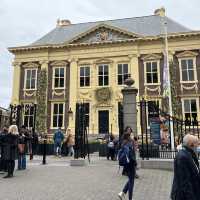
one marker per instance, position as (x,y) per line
(57,148)
(130,169)
(22,161)
(70,150)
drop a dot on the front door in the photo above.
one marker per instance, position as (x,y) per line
(103,121)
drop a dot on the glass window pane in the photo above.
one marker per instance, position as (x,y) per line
(81,81)
(87,71)
(186,106)
(55,121)
(190,64)
(120,80)
(125,76)
(55,111)
(56,72)
(31,121)
(62,72)
(183,64)
(100,70)
(61,82)
(194,117)
(60,108)
(26,121)
(148,67)
(193,105)
(184,76)
(100,80)
(191,75)
(33,73)
(82,71)
(87,81)
(27,84)
(119,68)
(33,84)
(56,84)
(149,78)
(60,121)
(106,80)
(28,76)
(105,69)
(155,78)
(125,68)
(154,67)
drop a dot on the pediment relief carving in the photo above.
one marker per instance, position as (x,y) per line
(31,65)
(59,63)
(103,33)
(151,57)
(187,54)
(103,61)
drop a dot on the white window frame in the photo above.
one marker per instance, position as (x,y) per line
(194,69)
(103,64)
(25,79)
(29,127)
(197,102)
(145,72)
(84,66)
(122,73)
(53,84)
(52,115)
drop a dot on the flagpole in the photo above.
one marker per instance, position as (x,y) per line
(170,93)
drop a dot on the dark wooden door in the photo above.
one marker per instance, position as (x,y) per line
(103,121)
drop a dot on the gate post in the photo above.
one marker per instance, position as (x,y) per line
(129,105)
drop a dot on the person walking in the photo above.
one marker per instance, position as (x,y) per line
(21,152)
(70,143)
(129,167)
(58,139)
(11,149)
(186,182)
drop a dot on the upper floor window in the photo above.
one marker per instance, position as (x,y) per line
(84,76)
(59,77)
(190,110)
(28,117)
(103,75)
(152,72)
(187,70)
(58,115)
(30,79)
(122,73)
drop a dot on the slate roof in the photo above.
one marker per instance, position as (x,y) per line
(144,26)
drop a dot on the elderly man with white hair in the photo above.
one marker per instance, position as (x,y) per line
(186,183)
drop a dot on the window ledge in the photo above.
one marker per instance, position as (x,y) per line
(189,81)
(153,84)
(30,89)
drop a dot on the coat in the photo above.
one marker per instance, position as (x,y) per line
(10,147)
(186,183)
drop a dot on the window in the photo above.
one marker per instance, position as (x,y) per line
(58,115)
(122,73)
(84,76)
(152,72)
(28,116)
(30,79)
(190,111)
(87,113)
(152,110)
(59,77)
(103,75)
(187,70)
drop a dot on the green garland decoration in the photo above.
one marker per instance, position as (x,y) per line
(41,117)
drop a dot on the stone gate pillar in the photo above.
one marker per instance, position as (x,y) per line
(130,105)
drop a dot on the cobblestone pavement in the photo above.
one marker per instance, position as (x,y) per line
(98,181)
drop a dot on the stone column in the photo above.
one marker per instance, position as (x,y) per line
(16,83)
(129,105)
(73,92)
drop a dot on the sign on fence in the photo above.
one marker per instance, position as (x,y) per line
(155,130)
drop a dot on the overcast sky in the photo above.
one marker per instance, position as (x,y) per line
(24,21)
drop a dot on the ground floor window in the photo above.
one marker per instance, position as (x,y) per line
(190,111)
(28,116)
(152,110)
(57,115)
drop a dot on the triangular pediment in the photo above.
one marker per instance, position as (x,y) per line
(185,54)
(150,57)
(103,33)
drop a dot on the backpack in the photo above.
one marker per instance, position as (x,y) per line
(123,156)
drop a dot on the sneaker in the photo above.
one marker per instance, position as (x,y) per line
(121,196)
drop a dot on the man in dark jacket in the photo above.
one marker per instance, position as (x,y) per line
(2,146)
(58,139)
(186,183)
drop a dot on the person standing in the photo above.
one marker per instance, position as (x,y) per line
(130,167)
(21,152)
(186,182)
(111,147)
(2,145)
(58,139)
(11,149)
(70,143)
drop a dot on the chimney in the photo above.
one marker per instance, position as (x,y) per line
(63,22)
(160,12)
